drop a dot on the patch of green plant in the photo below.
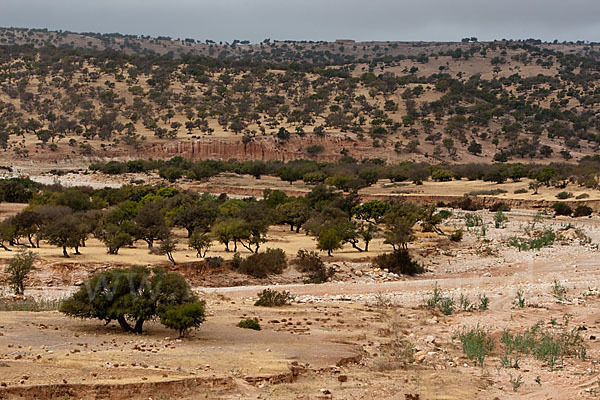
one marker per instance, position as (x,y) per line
(558,290)
(582,211)
(447,305)
(484,302)
(261,265)
(544,345)
(543,239)
(215,262)
(516,382)
(519,300)
(476,343)
(445,214)
(441,302)
(249,324)
(310,263)
(520,191)
(509,362)
(499,219)
(473,220)
(491,192)
(29,304)
(273,298)
(399,262)
(562,209)
(564,195)
(457,235)
(464,304)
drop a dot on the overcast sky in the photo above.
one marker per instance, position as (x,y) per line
(255,20)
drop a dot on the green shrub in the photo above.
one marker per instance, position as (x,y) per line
(492,192)
(249,324)
(521,190)
(499,206)
(564,195)
(544,345)
(18,268)
(215,262)
(519,300)
(562,209)
(445,214)
(29,304)
(466,204)
(558,290)
(542,239)
(582,211)
(457,235)
(446,305)
(499,219)
(582,196)
(273,298)
(484,302)
(399,262)
(315,149)
(309,262)
(183,317)
(476,343)
(472,220)
(261,265)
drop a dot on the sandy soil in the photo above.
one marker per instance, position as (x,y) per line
(337,333)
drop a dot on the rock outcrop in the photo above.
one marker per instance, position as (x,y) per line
(265,148)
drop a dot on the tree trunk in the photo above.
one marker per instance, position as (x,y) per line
(31,241)
(65,252)
(170,257)
(138,326)
(77,250)
(124,325)
(4,247)
(356,247)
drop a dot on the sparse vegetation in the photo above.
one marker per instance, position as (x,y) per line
(399,262)
(476,343)
(309,262)
(539,240)
(249,324)
(261,265)
(18,268)
(558,290)
(544,345)
(273,298)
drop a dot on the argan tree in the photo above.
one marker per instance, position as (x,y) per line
(135,295)
(18,269)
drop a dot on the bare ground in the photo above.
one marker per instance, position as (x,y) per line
(333,341)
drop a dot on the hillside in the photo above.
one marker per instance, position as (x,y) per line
(70,96)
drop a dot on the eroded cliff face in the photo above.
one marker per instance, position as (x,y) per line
(266,148)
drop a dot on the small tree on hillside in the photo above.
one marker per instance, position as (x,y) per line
(200,242)
(167,247)
(329,239)
(18,269)
(135,295)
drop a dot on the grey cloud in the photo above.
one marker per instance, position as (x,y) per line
(315,20)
